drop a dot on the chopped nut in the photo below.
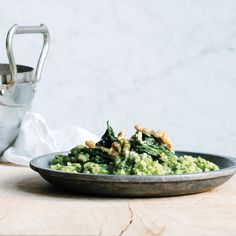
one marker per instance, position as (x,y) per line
(117,146)
(161,135)
(109,151)
(138,128)
(90,144)
(121,135)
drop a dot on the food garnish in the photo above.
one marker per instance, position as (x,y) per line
(147,152)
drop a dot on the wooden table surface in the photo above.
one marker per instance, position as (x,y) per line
(30,206)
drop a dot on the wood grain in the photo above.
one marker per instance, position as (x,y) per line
(30,206)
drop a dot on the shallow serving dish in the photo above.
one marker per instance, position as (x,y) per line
(138,186)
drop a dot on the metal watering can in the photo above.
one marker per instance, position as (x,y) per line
(18,85)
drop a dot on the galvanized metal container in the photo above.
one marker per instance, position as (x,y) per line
(17,85)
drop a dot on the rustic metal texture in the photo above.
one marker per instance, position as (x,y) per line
(17,85)
(138,186)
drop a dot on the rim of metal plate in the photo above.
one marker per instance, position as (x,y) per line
(41,165)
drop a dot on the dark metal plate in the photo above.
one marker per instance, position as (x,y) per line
(138,186)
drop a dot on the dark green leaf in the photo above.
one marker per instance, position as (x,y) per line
(108,137)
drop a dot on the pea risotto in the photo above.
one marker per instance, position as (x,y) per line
(147,152)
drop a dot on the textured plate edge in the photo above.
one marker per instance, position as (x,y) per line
(137,179)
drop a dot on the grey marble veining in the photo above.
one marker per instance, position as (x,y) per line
(161,64)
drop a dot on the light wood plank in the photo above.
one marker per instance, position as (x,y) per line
(30,206)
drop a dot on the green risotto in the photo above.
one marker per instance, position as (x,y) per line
(147,152)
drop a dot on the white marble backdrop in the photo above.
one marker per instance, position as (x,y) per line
(161,64)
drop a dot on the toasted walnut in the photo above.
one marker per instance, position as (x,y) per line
(126,147)
(116,146)
(121,135)
(90,144)
(161,135)
(143,130)
(109,151)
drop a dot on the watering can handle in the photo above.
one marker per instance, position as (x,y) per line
(15,29)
